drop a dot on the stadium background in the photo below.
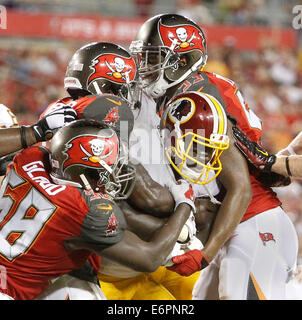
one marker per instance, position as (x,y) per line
(252,42)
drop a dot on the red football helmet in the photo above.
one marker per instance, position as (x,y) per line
(193,129)
(86,154)
(160,44)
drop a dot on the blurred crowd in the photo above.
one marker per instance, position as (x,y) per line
(270,80)
(240,12)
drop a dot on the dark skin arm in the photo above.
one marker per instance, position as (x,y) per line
(10,140)
(149,196)
(139,255)
(204,218)
(145,225)
(237,199)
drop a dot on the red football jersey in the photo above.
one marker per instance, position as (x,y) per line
(110,109)
(79,105)
(227,93)
(38,219)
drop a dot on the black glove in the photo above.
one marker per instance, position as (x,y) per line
(45,128)
(254,153)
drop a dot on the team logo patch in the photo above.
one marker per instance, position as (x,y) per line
(266,237)
(112,67)
(181,110)
(187,37)
(112,225)
(91,150)
(112,117)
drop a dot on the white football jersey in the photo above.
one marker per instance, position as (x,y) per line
(147,149)
(7,118)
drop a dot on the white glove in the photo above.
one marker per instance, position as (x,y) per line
(176,251)
(180,249)
(193,244)
(52,121)
(182,192)
(189,230)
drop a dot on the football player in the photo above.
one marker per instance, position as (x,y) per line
(171,52)
(58,206)
(100,79)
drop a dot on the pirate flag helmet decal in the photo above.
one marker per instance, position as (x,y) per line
(85,154)
(193,131)
(100,67)
(160,47)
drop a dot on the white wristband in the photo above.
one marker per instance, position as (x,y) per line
(291,150)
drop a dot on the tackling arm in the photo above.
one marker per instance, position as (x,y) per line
(237,198)
(288,166)
(149,196)
(14,139)
(204,217)
(143,225)
(295,147)
(10,139)
(137,254)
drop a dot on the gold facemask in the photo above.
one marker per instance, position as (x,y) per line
(189,163)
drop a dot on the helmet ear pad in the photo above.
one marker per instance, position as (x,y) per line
(105,86)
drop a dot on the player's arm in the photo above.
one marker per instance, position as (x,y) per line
(295,146)
(142,224)
(149,196)
(204,217)
(104,232)
(148,256)
(288,166)
(14,139)
(129,250)
(236,180)
(282,164)
(145,225)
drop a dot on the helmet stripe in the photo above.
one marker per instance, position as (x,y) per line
(221,115)
(220,119)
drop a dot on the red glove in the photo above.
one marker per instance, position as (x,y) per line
(189,263)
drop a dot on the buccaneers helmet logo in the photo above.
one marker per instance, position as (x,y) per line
(112,67)
(187,37)
(91,151)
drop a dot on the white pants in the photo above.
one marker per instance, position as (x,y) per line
(71,288)
(4,296)
(255,263)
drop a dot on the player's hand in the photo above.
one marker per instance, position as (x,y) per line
(254,153)
(189,263)
(182,191)
(45,128)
